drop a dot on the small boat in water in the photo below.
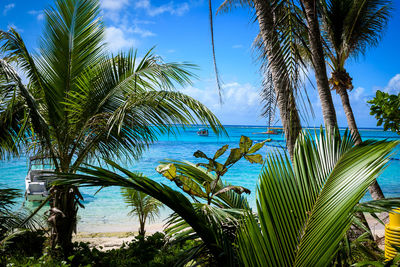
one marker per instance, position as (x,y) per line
(37,181)
(202,132)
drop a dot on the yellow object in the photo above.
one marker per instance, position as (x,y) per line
(392,235)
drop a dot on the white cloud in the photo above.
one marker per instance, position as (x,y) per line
(171,8)
(141,32)
(117,40)
(8,8)
(393,86)
(114,5)
(357,94)
(241,102)
(38,13)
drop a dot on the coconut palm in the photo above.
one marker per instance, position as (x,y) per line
(82,104)
(350,27)
(281,65)
(283,27)
(306,207)
(142,205)
(311,13)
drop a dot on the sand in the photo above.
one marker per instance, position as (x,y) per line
(113,236)
(109,237)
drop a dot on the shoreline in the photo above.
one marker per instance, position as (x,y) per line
(113,236)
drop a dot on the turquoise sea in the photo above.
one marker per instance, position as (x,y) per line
(106,209)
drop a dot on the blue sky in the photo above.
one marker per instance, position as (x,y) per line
(180,31)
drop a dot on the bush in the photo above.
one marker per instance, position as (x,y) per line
(154,250)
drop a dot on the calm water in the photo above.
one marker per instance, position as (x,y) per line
(107,209)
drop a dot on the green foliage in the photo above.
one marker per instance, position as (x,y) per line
(349,27)
(14,222)
(82,102)
(386,109)
(187,176)
(142,205)
(153,250)
(305,209)
(213,222)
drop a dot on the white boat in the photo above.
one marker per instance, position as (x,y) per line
(36,181)
(202,132)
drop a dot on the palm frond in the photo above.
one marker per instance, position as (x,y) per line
(304,210)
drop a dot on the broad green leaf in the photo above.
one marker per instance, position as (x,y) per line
(245,143)
(256,158)
(167,170)
(200,154)
(256,147)
(221,151)
(234,156)
(191,187)
(238,189)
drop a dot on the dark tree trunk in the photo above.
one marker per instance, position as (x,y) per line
(284,92)
(349,114)
(374,189)
(142,231)
(318,60)
(63,215)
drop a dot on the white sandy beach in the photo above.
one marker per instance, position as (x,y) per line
(106,237)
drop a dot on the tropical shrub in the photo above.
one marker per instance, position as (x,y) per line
(153,250)
(386,109)
(305,208)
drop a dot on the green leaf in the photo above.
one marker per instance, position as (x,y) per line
(256,158)
(256,147)
(238,189)
(221,151)
(167,170)
(191,187)
(234,156)
(245,143)
(200,154)
(306,206)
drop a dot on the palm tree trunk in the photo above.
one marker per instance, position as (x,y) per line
(63,215)
(349,115)
(284,93)
(374,189)
(318,59)
(142,231)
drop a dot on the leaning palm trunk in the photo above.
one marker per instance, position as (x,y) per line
(283,89)
(374,189)
(318,60)
(344,96)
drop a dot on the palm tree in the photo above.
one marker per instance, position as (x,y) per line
(350,27)
(143,206)
(311,13)
(281,64)
(306,207)
(82,104)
